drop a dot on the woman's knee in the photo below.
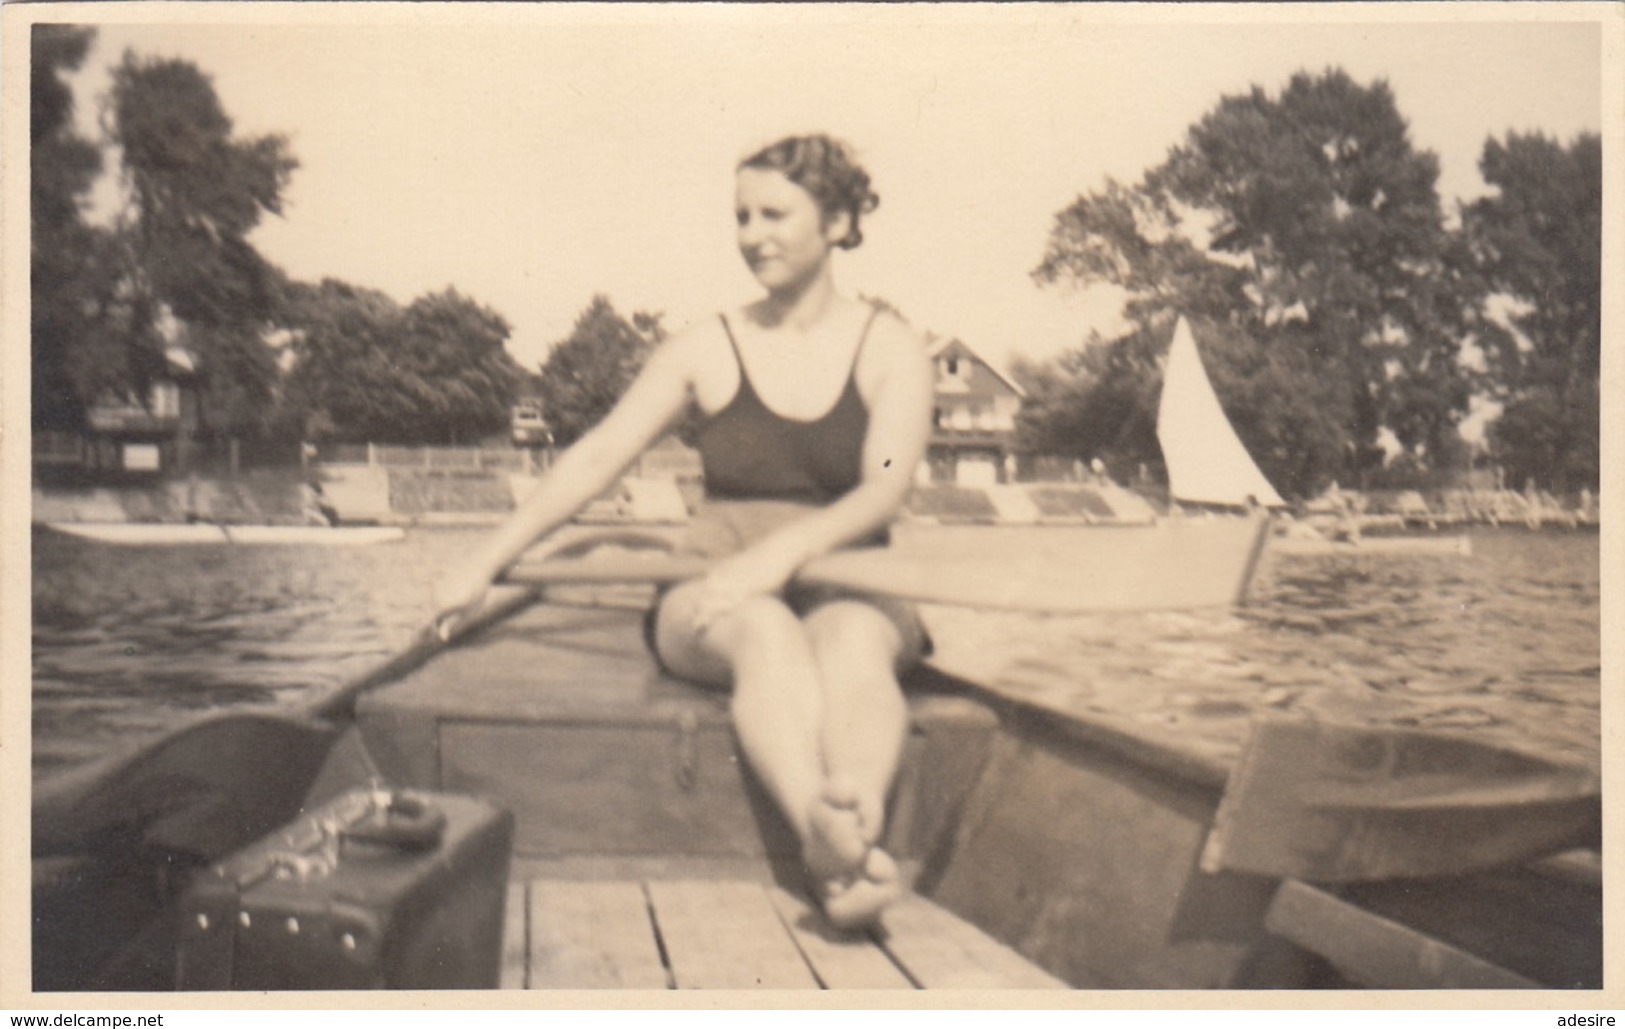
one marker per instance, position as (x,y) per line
(710,650)
(856,646)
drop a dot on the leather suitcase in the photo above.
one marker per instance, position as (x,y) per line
(377,889)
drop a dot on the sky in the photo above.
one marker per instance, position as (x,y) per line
(532,156)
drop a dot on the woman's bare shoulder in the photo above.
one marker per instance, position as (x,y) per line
(894,346)
(693,343)
(700,354)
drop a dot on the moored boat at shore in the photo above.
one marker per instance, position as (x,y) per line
(1419,546)
(171,534)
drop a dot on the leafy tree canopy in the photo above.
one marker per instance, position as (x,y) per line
(75,356)
(1537,241)
(196,192)
(1303,234)
(366,368)
(586,373)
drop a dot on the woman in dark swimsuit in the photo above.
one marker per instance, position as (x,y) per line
(816,411)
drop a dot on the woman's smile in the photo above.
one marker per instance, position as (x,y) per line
(782,232)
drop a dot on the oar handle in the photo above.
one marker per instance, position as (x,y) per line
(429,641)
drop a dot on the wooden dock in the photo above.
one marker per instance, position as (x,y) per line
(736,933)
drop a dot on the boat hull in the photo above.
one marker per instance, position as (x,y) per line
(1075,839)
(1081,847)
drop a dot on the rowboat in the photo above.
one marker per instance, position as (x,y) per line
(169,534)
(1044,848)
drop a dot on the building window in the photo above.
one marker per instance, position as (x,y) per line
(166,400)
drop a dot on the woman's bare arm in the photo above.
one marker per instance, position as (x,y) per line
(584,471)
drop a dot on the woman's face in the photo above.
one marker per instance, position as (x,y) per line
(783,235)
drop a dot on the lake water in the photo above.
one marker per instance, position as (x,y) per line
(1505,643)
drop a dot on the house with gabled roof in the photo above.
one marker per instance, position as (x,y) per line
(128,435)
(974,416)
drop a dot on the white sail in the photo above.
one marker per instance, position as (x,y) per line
(1207,463)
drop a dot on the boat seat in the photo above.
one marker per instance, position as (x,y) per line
(560,714)
(658,933)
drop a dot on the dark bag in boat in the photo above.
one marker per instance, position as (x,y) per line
(377,889)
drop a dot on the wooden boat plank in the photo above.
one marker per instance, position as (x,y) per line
(840,960)
(592,935)
(549,661)
(939,950)
(1544,927)
(515,973)
(1327,803)
(642,867)
(1375,951)
(726,935)
(1066,842)
(535,714)
(587,789)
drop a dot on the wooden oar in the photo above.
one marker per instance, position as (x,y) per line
(217,783)
(1052,570)
(1342,803)
(224,780)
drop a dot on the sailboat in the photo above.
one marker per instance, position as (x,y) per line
(1207,462)
(1209,465)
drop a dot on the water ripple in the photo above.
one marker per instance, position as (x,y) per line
(1504,643)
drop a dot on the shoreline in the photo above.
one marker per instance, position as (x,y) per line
(438,499)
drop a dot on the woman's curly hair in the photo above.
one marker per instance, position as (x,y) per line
(824,167)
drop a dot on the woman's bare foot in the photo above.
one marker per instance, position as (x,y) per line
(857,902)
(837,841)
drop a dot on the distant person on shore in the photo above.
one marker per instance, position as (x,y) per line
(315,507)
(815,410)
(1346,518)
(193,513)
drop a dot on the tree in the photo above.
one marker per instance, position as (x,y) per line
(366,369)
(196,193)
(1538,243)
(586,373)
(454,365)
(77,350)
(1304,233)
(1097,401)
(339,384)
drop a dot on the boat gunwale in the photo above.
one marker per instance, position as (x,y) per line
(1117,737)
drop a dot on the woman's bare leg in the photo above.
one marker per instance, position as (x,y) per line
(763,651)
(865,718)
(856,648)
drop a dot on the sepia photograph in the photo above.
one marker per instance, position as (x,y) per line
(1053,503)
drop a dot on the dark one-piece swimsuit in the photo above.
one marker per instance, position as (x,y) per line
(763,469)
